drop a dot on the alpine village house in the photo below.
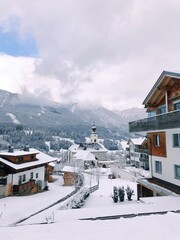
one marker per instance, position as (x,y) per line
(163,135)
(23,171)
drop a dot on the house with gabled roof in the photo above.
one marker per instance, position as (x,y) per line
(163,135)
(23,171)
(85,159)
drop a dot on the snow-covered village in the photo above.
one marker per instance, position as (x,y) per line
(68,197)
(89,120)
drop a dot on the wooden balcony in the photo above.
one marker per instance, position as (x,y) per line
(23,188)
(163,121)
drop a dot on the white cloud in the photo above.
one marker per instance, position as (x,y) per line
(110,52)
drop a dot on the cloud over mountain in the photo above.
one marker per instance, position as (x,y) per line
(104,51)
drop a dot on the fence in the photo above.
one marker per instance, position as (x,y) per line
(121,173)
(94,188)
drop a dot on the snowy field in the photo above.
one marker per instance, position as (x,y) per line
(66,224)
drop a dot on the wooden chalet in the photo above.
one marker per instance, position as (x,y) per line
(23,171)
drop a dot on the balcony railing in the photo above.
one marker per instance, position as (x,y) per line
(159,122)
(141,150)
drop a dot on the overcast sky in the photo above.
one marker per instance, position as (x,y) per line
(107,52)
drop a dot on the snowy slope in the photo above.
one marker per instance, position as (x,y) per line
(67,224)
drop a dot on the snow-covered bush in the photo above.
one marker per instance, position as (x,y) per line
(50,218)
(129,193)
(77,200)
(121,193)
(115,194)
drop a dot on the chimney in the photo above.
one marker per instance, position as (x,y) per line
(26,148)
(10,149)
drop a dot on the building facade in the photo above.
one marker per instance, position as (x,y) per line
(137,152)
(163,133)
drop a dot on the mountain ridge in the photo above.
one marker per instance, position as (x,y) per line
(68,117)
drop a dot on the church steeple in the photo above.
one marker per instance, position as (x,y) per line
(94,136)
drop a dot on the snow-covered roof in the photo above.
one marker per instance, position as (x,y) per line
(138,141)
(93,147)
(41,159)
(70,169)
(73,147)
(52,164)
(85,155)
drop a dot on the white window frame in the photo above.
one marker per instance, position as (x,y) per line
(156,139)
(178,135)
(176,171)
(158,167)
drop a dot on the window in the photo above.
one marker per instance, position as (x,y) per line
(162,109)
(177,171)
(24,177)
(36,175)
(158,166)
(176,105)
(31,175)
(3,181)
(156,140)
(152,114)
(20,179)
(176,140)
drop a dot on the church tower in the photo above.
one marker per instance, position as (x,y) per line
(94,136)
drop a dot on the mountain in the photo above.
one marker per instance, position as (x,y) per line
(70,120)
(7,98)
(132,114)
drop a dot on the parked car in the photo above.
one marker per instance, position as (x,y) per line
(111,176)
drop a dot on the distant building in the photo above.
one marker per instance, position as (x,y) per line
(87,154)
(137,152)
(5,141)
(163,134)
(23,171)
(70,175)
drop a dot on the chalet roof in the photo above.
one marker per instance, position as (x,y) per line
(164,82)
(41,159)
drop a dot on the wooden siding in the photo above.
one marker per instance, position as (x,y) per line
(154,150)
(173,93)
(69,178)
(20,159)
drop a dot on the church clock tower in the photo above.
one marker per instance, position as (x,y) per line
(94,136)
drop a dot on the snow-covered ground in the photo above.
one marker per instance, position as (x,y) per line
(67,224)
